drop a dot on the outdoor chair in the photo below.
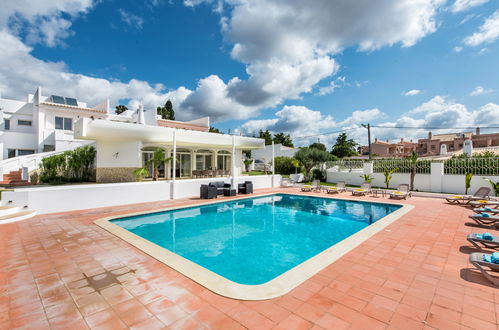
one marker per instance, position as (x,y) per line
(486,210)
(340,187)
(486,264)
(316,185)
(307,187)
(364,189)
(481,193)
(245,188)
(484,202)
(402,192)
(208,192)
(485,219)
(220,186)
(483,240)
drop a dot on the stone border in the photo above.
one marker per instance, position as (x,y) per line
(272,289)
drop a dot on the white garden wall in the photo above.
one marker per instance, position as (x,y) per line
(79,197)
(436,181)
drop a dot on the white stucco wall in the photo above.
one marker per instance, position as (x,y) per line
(279,151)
(453,184)
(119,154)
(79,197)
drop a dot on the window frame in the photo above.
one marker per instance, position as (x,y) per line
(64,122)
(6,124)
(23,122)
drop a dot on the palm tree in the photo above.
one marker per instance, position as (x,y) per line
(413,159)
(158,158)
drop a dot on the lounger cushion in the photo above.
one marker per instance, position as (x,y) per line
(485,215)
(492,258)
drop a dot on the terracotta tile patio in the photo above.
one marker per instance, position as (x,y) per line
(61,271)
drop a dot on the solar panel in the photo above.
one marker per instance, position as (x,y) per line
(71,101)
(57,99)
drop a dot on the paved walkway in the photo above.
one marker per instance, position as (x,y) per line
(62,271)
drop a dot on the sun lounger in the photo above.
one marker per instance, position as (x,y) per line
(402,192)
(484,263)
(316,185)
(484,202)
(481,193)
(485,239)
(486,210)
(306,187)
(340,187)
(485,219)
(363,190)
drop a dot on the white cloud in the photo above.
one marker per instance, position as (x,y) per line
(487,33)
(437,112)
(131,19)
(413,92)
(334,84)
(458,49)
(42,20)
(286,46)
(463,5)
(479,90)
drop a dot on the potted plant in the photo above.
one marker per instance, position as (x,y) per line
(158,158)
(388,176)
(140,173)
(367,178)
(495,185)
(467,181)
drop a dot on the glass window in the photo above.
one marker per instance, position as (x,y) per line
(7,124)
(24,122)
(64,123)
(11,153)
(22,152)
(68,124)
(59,123)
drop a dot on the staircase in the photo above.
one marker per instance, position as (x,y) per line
(11,213)
(14,179)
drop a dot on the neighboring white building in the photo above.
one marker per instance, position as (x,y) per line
(123,142)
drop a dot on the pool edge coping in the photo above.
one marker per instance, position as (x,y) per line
(276,287)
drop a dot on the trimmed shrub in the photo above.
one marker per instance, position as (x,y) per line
(284,165)
(71,166)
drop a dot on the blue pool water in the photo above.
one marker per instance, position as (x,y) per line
(252,241)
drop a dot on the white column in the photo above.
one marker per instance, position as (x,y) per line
(273,164)
(174,163)
(233,161)
(436,177)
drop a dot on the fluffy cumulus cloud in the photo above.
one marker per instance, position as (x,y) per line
(438,112)
(413,92)
(286,46)
(487,33)
(463,5)
(479,90)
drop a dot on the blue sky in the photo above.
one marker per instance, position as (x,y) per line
(266,64)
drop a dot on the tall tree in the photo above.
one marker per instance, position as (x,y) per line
(284,139)
(120,109)
(344,147)
(166,111)
(266,135)
(311,157)
(318,145)
(214,130)
(413,160)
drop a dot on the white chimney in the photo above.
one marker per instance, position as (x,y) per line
(142,120)
(443,149)
(468,147)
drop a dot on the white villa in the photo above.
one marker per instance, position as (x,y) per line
(123,142)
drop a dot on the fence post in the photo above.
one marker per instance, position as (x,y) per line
(368,168)
(436,176)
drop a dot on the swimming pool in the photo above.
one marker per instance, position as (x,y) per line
(255,248)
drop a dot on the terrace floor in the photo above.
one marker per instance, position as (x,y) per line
(63,271)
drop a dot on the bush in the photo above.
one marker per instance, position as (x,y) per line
(284,165)
(70,166)
(318,174)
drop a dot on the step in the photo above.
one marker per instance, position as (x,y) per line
(6,210)
(18,216)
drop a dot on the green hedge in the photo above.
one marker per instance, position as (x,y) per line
(71,166)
